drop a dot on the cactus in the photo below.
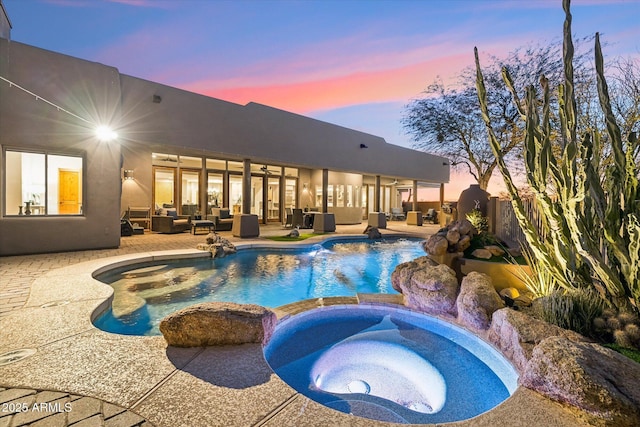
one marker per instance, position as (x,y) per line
(592,223)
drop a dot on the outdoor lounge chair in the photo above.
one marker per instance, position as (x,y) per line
(397,214)
(222,219)
(289,218)
(298,218)
(431,215)
(171,223)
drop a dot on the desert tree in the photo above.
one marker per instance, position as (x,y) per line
(446,120)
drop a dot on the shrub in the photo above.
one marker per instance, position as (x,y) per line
(479,221)
(621,328)
(576,310)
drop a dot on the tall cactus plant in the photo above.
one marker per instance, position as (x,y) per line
(592,228)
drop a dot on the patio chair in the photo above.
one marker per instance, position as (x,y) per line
(297,219)
(289,219)
(431,215)
(397,214)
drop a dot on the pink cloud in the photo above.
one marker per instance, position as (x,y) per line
(395,84)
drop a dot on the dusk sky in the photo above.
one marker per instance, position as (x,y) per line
(355,63)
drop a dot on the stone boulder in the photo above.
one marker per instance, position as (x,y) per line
(588,376)
(482,253)
(427,286)
(217,245)
(463,244)
(477,301)
(455,237)
(495,250)
(516,334)
(373,232)
(218,323)
(436,245)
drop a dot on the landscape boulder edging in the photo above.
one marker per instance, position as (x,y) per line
(477,301)
(589,376)
(218,323)
(516,334)
(427,286)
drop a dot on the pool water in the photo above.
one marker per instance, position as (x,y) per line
(146,293)
(389,364)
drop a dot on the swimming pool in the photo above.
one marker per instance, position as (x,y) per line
(389,364)
(146,293)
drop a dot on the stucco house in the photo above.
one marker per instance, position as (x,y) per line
(63,187)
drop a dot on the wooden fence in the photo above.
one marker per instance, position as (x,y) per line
(503,222)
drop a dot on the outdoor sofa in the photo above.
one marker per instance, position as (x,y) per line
(168,221)
(222,219)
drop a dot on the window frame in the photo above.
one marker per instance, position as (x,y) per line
(78,154)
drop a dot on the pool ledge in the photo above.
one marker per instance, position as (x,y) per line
(230,385)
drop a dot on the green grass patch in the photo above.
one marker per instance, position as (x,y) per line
(630,353)
(291,238)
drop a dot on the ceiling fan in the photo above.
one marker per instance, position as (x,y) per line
(168,159)
(265,170)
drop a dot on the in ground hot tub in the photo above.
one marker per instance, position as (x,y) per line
(389,364)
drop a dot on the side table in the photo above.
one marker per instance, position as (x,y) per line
(203,224)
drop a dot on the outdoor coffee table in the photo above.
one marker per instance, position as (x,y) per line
(203,224)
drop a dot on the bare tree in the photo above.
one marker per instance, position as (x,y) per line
(624,84)
(447,120)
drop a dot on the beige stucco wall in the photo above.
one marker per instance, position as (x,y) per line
(181,123)
(189,121)
(89,90)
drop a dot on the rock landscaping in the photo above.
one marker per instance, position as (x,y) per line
(455,237)
(217,245)
(427,286)
(560,364)
(477,301)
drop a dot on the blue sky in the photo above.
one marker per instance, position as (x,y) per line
(355,63)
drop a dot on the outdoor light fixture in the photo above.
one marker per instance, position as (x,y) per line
(363,146)
(157,99)
(104,133)
(128,174)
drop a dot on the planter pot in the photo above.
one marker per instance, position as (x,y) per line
(468,198)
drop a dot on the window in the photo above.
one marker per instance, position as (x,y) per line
(43,184)
(164,187)
(290,193)
(214,190)
(189,191)
(235,193)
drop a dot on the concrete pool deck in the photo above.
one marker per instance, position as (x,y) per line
(88,377)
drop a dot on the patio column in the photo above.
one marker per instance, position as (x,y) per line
(325,189)
(440,213)
(376,195)
(246,224)
(324,221)
(377,218)
(246,186)
(414,216)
